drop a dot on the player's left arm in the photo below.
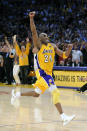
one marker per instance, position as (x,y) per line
(63,54)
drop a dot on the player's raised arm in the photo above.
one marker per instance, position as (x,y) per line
(62,53)
(33,29)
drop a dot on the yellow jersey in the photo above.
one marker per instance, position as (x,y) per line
(45,58)
(23,57)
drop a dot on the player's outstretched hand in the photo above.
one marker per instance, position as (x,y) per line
(32,14)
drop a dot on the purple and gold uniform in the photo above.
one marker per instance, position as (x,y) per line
(43,63)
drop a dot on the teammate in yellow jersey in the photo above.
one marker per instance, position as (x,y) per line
(44,53)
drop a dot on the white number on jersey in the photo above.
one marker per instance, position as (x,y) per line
(48,58)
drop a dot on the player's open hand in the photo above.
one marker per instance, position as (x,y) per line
(32,14)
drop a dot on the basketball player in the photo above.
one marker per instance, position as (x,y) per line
(44,53)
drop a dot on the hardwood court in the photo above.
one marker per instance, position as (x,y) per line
(39,114)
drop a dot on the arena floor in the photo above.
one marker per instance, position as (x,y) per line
(39,114)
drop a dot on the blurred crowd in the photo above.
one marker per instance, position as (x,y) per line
(64,21)
(16,62)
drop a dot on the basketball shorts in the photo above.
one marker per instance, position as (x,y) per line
(43,82)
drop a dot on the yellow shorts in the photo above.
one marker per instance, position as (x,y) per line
(43,80)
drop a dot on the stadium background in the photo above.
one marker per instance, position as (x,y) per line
(64,21)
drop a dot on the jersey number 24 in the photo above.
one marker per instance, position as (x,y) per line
(48,58)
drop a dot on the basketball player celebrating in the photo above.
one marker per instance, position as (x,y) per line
(44,53)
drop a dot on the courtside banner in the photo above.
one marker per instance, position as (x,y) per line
(69,78)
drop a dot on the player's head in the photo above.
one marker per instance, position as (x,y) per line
(43,38)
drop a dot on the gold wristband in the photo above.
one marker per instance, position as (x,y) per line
(64,55)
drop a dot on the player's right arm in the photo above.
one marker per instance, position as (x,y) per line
(36,41)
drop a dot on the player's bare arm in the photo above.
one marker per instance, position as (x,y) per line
(60,52)
(67,52)
(36,41)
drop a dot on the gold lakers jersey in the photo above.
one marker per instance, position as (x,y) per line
(45,58)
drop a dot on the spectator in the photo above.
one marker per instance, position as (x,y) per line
(9,59)
(16,68)
(77,57)
(64,22)
(23,59)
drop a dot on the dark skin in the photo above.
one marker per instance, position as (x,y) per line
(43,38)
(38,41)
